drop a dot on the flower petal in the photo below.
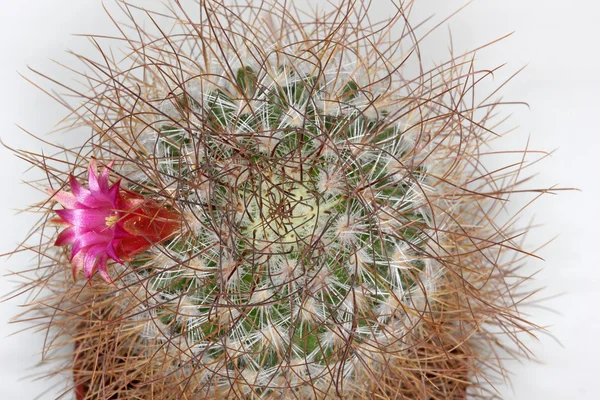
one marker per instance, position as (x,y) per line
(92,255)
(93,177)
(113,193)
(83,195)
(130,202)
(153,222)
(66,199)
(110,251)
(59,221)
(103,178)
(77,262)
(67,236)
(132,246)
(90,239)
(102,268)
(98,183)
(119,232)
(91,219)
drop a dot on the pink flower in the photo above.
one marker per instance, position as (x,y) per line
(107,222)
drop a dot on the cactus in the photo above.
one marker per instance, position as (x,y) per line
(335,231)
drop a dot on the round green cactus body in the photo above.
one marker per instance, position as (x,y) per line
(308,230)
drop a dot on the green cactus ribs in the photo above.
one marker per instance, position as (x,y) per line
(308,229)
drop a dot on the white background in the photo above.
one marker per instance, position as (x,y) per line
(558,39)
